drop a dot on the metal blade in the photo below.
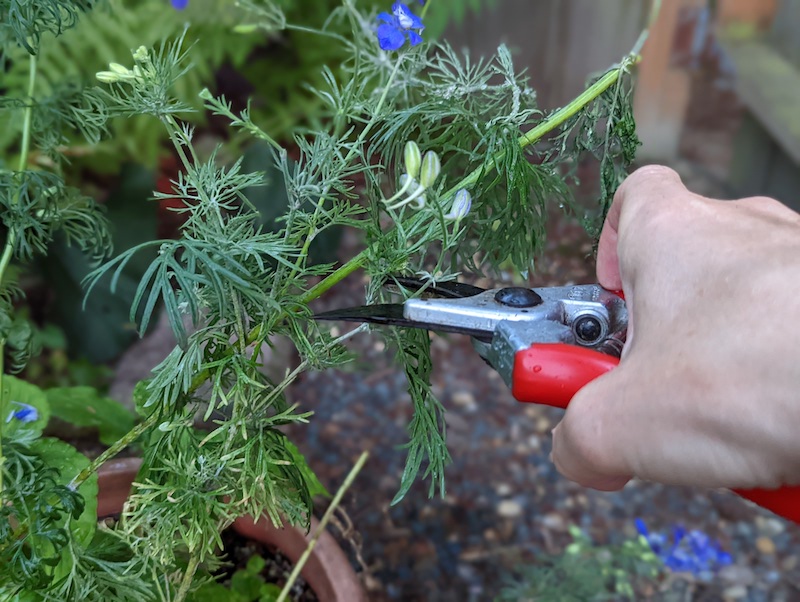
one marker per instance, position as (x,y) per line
(387,314)
(443,290)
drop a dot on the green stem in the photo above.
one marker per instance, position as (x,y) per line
(188,577)
(112,451)
(334,278)
(655,10)
(425,9)
(321,527)
(8,250)
(547,126)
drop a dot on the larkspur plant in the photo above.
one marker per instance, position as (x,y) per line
(686,552)
(445,165)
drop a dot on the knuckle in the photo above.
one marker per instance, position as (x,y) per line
(585,438)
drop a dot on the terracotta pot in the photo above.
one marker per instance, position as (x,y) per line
(328,571)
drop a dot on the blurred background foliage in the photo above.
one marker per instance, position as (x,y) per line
(271,70)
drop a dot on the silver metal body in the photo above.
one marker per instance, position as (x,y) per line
(501,331)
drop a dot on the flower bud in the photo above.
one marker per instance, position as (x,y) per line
(141,54)
(413,159)
(245,28)
(119,69)
(461,205)
(431,168)
(107,77)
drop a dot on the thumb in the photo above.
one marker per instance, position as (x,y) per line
(588,442)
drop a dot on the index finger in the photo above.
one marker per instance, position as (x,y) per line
(644,183)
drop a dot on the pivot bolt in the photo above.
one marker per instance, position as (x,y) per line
(588,329)
(517,296)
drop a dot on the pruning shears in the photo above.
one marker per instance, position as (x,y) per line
(546,343)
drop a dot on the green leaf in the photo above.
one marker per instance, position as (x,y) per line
(315,487)
(69,463)
(255,565)
(246,585)
(15,392)
(269,593)
(85,406)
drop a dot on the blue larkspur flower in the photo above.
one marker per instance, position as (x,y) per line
(179,4)
(25,413)
(692,552)
(401,25)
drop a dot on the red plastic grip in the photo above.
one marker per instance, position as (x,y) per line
(552,373)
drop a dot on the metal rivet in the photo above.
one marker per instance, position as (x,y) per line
(517,296)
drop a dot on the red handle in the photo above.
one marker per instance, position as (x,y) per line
(552,373)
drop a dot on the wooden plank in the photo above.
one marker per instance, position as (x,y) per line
(758,13)
(769,85)
(559,42)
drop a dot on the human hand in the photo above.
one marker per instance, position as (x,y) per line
(707,392)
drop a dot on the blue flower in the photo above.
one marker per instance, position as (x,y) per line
(179,4)
(26,413)
(692,552)
(402,24)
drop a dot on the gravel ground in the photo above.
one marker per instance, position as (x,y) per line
(505,503)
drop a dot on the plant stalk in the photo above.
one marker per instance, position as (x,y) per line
(321,527)
(8,250)
(114,449)
(188,577)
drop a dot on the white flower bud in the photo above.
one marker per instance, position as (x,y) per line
(461,205)
(413,159)
(119,69)
(107,77)
(431,168)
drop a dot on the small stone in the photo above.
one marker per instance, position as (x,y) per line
(490,535)
(543,425)
(770,526)
(554,522)
(736,592)
(503,489)
(509,509)
(735,574)
(532,410)
(330,430)
(465,399)
(789,563)
(765,545)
